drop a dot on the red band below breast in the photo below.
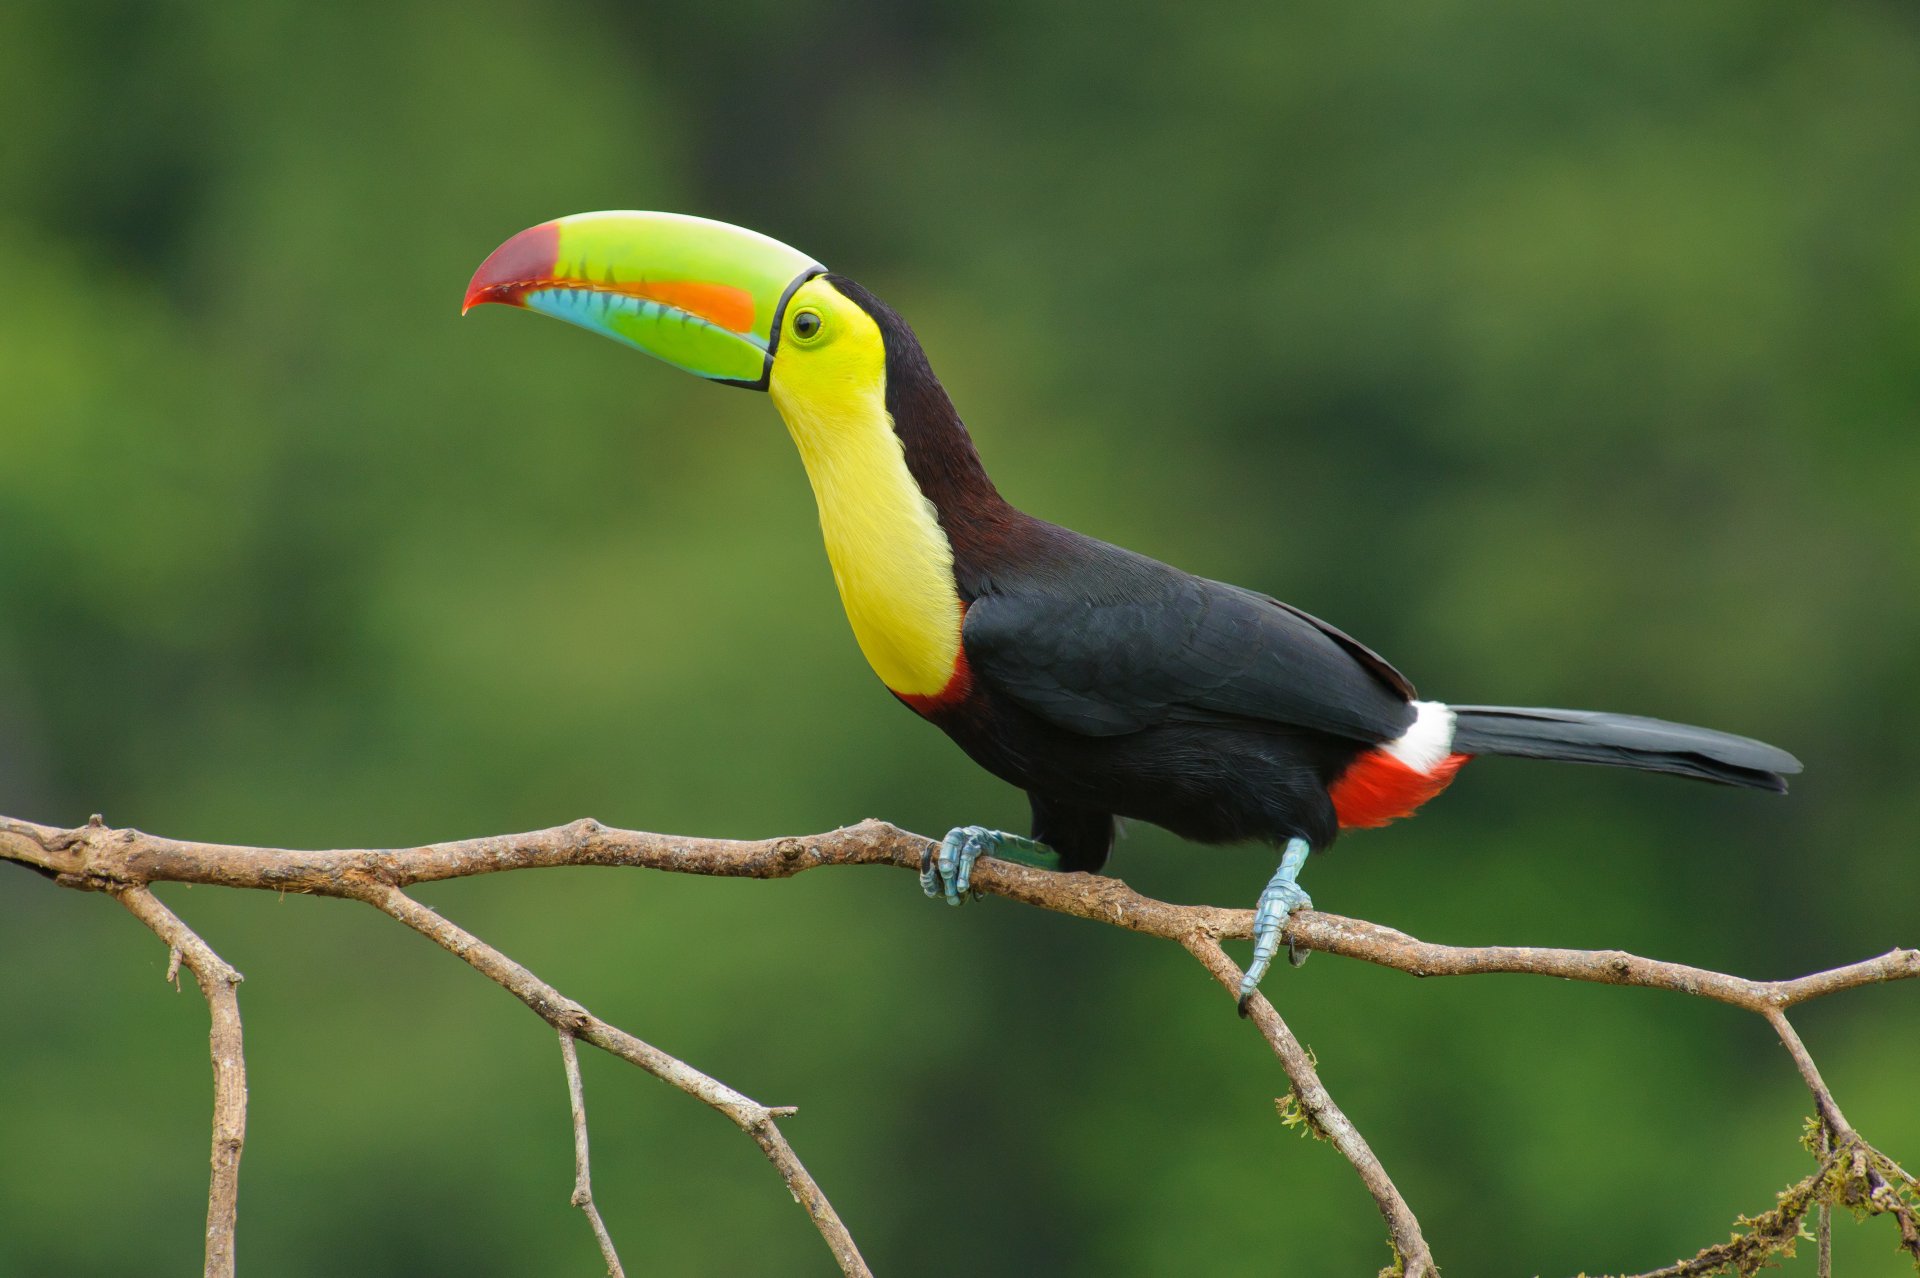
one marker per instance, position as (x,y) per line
(959,684)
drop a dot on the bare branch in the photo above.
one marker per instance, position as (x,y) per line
(217,981)
(101,859)
(1830,1115)
(575,1021)
(1403,1230)
(582,1172)
(98,857)
(1824,1230)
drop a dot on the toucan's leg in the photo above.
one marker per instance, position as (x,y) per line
(1283,895)
(947,870)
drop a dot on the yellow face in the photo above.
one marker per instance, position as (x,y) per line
(830,350)
(890,558)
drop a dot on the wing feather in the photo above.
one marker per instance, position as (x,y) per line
(1164,646)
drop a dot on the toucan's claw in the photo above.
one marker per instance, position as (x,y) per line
(952,875)
(1281,897)
(946,868)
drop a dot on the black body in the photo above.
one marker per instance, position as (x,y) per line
(1108,684)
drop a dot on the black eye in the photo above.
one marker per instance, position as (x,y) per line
(806,324)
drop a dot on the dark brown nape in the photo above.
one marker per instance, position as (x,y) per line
(940,453)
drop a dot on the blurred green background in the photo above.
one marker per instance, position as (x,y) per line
(1570,355)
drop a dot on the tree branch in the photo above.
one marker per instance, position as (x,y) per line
(1325,1117)
(97,857)
(570,1018)
(582,1172)
(100,859)
(1830,1115)
(217,981)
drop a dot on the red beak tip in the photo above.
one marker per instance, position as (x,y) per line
(527,256)
(481,292)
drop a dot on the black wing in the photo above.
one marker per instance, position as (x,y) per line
(1137,643)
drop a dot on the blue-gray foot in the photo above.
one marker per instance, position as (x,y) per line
(946,868)
(1282,896)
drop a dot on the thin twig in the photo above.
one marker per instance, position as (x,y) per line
(1873,1166)
(570,1018)
(217,981)
(1403,1229)
(1824,1230)
(582,1171)
(1830,1114)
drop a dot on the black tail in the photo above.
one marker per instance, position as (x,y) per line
(1622,741)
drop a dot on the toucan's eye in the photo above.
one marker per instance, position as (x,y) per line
(806,325)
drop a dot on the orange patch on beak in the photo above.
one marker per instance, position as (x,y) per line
(722,304)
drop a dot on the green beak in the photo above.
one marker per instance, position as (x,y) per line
(701,295)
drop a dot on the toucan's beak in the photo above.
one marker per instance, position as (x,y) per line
(701,295)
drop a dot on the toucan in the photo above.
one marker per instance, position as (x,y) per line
(1105,684)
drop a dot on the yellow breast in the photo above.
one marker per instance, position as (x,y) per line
(891,561)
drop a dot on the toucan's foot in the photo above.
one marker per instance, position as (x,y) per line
(1282,896)
(946,868)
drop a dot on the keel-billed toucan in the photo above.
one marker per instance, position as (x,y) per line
(1103,683)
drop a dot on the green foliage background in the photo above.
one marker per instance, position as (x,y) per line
(1567,354)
